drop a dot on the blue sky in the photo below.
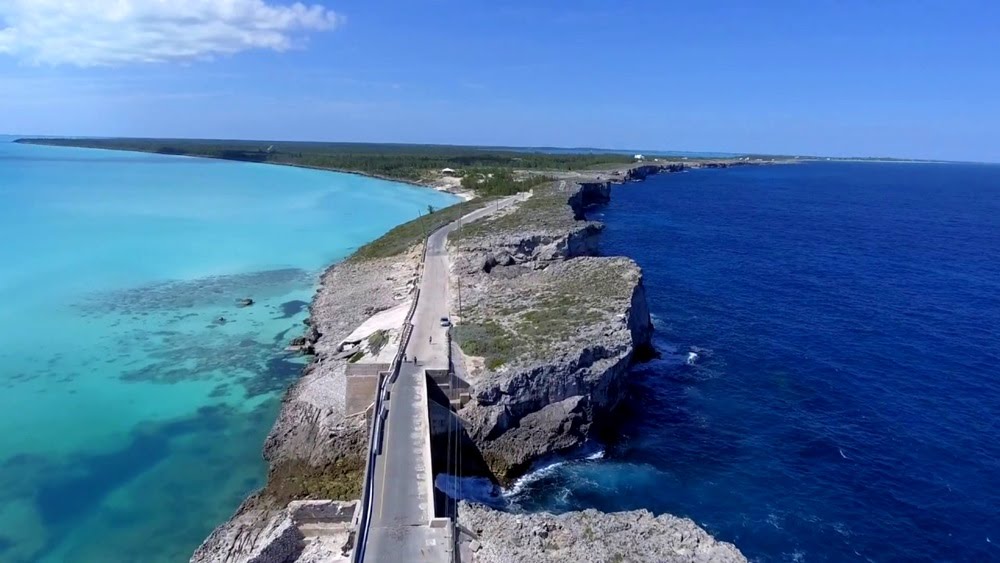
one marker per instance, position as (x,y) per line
(909,79)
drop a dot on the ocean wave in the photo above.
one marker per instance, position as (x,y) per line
(473,489)
(589,451)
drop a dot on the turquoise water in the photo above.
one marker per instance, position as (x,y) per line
(132,416)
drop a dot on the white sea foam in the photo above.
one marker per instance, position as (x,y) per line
(590,451)
(475,489)
(533,476)
(774,520)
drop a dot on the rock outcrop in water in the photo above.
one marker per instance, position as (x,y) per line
(587,537)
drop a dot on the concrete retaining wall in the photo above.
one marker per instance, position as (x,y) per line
(366,369)
(359,393)
(308,511)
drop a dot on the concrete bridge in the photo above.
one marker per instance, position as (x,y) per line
(396,519)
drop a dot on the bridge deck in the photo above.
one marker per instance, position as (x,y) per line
(402,508)
(403,504)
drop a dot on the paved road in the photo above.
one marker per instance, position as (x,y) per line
(402,509)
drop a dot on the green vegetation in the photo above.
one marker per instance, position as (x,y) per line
(402,238)
(564,304)
(557,313)
(356,357)
(487,340)
(377,341)
(558,306)
(499,181)
(297,479)
(547,208)
(403,162)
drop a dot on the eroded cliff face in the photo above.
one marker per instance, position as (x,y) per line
(567,325)
(549,399)
(588,194)
(533,249)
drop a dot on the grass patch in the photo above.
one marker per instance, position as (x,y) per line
(499,181)
(402,238)
(488,340)
(553,307)
(296,480)
(547,208)
(356,357)
(377,341)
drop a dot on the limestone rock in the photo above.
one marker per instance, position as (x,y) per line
(559,327)
(590,537)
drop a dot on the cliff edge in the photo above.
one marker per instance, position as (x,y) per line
(587,536)
(549,328)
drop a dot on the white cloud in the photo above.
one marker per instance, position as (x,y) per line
(114,32)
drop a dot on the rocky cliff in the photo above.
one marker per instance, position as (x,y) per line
(587,195)
(643,171)
(556,327)
(547,227)
(587,537)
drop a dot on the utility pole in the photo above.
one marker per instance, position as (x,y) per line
(458,278)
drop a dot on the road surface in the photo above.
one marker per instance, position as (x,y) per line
(401,509)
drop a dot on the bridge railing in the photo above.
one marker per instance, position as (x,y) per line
(377,428)
(375,435)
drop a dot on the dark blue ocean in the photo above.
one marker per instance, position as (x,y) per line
(830,383)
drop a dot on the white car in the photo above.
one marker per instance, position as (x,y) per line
(445,321)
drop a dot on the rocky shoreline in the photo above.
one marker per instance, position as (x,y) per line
(547,330)
(314,450)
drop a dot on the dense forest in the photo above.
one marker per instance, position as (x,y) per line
(404,162)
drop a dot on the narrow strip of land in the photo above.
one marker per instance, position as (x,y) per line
(403,503)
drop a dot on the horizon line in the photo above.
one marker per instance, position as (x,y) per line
(515,148)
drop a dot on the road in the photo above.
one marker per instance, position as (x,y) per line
(402,507)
